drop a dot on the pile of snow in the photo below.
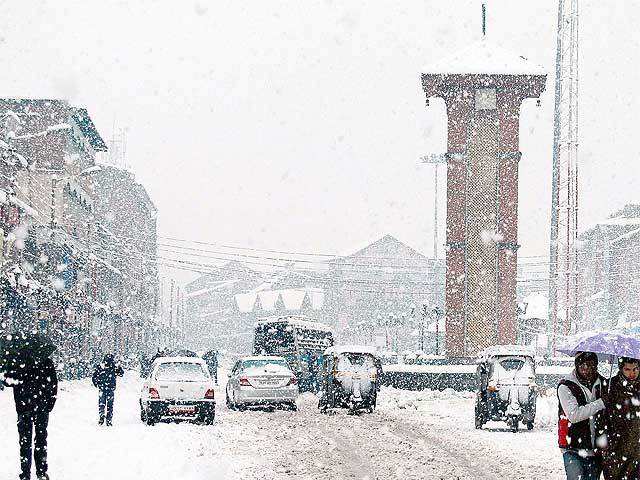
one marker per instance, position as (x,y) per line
(425,400)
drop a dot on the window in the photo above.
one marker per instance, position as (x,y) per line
(181,372)
(486,99)
(263,363)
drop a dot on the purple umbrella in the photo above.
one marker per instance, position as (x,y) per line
(604,343)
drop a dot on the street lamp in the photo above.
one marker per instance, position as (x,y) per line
(438,313)
(435,159)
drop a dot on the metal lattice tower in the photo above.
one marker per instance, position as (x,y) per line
(563,270)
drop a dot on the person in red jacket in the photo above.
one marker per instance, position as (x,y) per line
(580,404)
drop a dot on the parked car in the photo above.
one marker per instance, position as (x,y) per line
(178,388)
(262,380)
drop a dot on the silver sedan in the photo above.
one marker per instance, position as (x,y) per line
(261,380)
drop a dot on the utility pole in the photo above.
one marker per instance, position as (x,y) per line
(563,261)
(171,333)
(179,326)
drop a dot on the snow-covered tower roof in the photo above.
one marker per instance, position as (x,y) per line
(484,58)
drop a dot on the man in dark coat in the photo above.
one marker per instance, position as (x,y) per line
(622,417)
(35,388)
(211,357)
(104,379)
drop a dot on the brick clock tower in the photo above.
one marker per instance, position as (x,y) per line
(482,88)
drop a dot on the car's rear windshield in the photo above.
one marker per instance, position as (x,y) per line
(263,363)
(181,372)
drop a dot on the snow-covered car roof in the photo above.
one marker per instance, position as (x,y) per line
(179,360)
(296,322)
(339,349)
(262,357)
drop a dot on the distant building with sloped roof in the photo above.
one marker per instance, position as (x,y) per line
(373,293)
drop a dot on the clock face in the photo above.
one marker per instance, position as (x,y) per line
(486,99)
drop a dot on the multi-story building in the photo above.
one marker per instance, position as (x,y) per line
(609,272)
(380,292)
(127,220)
(56,233)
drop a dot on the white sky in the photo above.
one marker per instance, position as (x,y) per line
(297,125)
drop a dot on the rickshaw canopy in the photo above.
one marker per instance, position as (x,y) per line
(505,351)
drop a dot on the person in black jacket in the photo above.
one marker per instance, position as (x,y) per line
(104,379)
(211,357)
(35,389)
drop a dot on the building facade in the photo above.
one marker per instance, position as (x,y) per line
(609,272)
(56,262)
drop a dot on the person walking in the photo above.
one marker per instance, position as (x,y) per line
(104,379)
(580,410)
(33,377)
(211,357)
(622,418)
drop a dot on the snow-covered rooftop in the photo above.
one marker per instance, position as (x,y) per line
(212,288)
(626,236)
(484,57)
(620,221)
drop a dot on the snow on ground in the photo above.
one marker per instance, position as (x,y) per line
(80,449)
(412,435)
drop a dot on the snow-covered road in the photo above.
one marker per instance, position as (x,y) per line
(412,435)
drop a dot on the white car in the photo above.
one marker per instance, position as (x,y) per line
(178,388)
(262,380)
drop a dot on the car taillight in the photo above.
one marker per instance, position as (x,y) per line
(293,381)
(244,381)
(153,393)
(209,393)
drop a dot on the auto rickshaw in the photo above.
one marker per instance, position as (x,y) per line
(507,389)
(350,378)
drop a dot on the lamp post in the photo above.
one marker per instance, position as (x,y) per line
(435,159)
(438,314)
